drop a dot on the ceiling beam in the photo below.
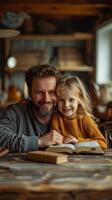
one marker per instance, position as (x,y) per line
(55,9)
(74,2)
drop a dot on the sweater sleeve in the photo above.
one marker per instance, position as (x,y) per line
(10,137)
(92,132)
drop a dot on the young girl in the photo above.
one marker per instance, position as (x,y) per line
(74,119)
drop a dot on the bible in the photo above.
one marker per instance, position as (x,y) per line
(47,157)
(89,147)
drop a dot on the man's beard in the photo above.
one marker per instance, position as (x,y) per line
(38,108)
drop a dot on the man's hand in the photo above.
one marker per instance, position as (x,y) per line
(70,139)
(53,137)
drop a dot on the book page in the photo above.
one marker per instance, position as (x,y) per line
(65,148)
(87,144)
(88,147)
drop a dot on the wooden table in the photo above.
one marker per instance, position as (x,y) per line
(84,177)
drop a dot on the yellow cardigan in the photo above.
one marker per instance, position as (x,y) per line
(84,128)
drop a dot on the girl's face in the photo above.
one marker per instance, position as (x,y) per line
(68,103)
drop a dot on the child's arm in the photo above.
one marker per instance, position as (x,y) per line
(92,132)
(55,125)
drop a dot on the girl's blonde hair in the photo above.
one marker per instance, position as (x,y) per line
(74,84)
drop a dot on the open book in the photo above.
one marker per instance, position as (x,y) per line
(89,147)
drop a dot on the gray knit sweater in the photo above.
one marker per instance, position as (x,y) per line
(19,130)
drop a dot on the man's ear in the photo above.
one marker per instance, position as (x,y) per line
(29,93)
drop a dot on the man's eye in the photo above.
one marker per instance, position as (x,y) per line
(37,92)
(52,93)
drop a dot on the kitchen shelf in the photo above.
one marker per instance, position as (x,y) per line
(51,47)
(78,69)
(64,37)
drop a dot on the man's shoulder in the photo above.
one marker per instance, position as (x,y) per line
(19,107)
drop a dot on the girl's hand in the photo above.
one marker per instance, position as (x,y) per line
(51,138)
(70,139)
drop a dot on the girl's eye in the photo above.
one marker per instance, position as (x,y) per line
(72,100)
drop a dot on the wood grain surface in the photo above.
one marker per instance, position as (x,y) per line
(83,177)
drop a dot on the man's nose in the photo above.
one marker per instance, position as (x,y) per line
(46,97)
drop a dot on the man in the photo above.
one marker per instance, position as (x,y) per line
(25,127)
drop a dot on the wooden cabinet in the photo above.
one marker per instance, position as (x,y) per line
(71,53)
(68,52)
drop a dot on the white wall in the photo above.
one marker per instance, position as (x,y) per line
(104,54)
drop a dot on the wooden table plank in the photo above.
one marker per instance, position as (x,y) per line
(83,177)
